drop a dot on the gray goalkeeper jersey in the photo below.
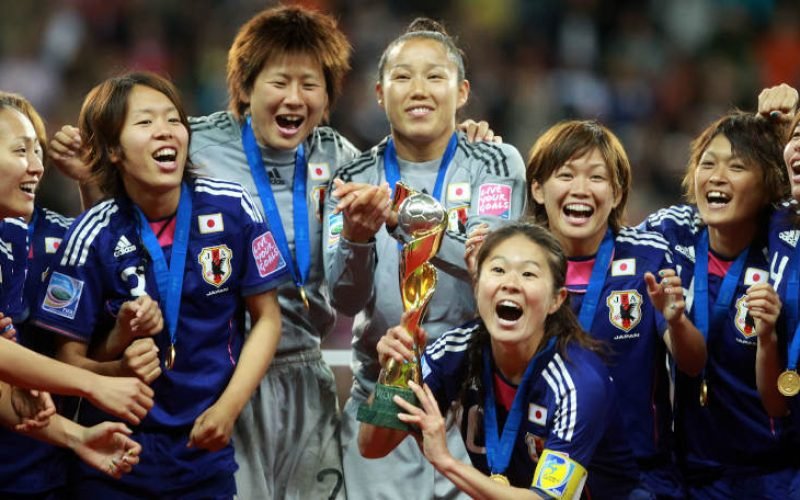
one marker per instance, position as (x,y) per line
(485,182)
(216,150)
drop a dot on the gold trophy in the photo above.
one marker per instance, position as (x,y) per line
(422,220)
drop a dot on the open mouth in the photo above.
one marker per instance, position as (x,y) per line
(578,211)
(717,199)
(419,111)
(28,187)
(165,155)
(508,311)
(289,122)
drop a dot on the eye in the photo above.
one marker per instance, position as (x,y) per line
(564,175)
(528,274)
(21,150)
(497,270)
(436,76)
(144,122)
(310,86)
(278,84)
(175,120)
(706,164)
(598,178)
(738,167)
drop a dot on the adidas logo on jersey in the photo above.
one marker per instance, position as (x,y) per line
(124,246)
(687,252)
(789,237)
(275,178)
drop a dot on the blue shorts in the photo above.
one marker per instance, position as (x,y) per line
(166,469)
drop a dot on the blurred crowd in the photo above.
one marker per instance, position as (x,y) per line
(654,71)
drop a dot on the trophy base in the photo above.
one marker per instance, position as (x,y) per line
(383,411)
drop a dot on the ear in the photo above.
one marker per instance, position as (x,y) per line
(463,93)
(560,297)
(379,94)
(617,199)
(114,154)
(537,192)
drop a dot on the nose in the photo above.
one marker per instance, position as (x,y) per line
(163,128)
(293,93)
(511,282)
(418,88)
(718,174)
(579,185)
(35,166)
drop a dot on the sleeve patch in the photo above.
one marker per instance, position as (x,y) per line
(559,476)
(335,226)
(63,295)
(267,255)
(494,199)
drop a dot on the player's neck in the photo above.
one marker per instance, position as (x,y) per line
(157,205)
(419,151)
(581,247)
(730,241)
(512,359)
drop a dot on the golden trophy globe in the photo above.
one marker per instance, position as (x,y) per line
(421,222)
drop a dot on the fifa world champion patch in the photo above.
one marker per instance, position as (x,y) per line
(559,476)
(63,295)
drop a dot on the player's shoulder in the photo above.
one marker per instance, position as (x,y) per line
(329,139)
(579,368)
(53,218)
(453,342)
(216,129)
(641,242)
(98,226)
(225,196)
(499,159)
(362,165)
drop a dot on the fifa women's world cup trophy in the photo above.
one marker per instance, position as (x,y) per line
(421,221)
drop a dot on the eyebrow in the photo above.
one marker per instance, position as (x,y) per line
(500,257)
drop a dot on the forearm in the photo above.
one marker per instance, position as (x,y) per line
(110,348)
(768,368)
(351,276)
(107,368)
(24,368)
(687,346)
(477,485)
(377,442)
(59,431)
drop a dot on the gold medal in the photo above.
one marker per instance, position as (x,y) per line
(704,393)
(789,383)
(304,297)
(170,361)
(500,479)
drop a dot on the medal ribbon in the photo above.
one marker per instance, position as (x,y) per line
(596,282)
(392,169)
(726,291)
(301,263)
(169,281)
(792,297)
(499,448)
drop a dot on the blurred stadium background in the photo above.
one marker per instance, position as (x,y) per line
(654,71)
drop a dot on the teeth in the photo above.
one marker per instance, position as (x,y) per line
(28,187)
(419,110)
(716,196)
(576,207)
(508,303)
(165,154)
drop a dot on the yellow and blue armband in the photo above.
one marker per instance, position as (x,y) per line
(559,476)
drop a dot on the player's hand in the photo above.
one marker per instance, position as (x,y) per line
(365,207)
(398,343)
(7,330)
(107,448)
(212,430)
(429,420)
(33,408)
(473,245)
(764,305)
(65,153)
(666,295)
(479,131)
(126,397)
(778,102)
(139,318)
(141,359)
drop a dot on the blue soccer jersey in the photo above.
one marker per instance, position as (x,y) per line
(29,466)
(13,258)
(633,330)
(733,431)
(570,408)
(103,263)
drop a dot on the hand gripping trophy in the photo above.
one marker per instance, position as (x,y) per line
(422,220)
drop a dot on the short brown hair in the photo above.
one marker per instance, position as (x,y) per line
(757,140)
(280,31)
(572,139)
(102,118)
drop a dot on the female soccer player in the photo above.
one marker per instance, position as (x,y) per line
(105,446)
(201,250)
(537,406)
(421,86)
(580,178)
(728,445)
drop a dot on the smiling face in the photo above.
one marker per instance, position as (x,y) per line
(20,164)
(578,198)
(153,144)
(729,192)
(420,91)
(791,155)
(515,292)
(288,100)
